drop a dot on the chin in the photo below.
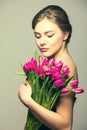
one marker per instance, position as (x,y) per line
(47,56)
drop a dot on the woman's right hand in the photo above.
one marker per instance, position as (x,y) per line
(25,92)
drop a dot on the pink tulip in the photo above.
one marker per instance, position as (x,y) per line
(78,90)
(66,71)
(30,65)
(59,64)
(27,66)
(39,70)
(44,62)
(51,62)
(74,83)
(59,82)
(65,90)
(34,61)
(47,70)
(56,75)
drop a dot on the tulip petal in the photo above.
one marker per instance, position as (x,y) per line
(78,90)
(65,90)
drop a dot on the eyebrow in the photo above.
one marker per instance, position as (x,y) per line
(45,32)
(36,33)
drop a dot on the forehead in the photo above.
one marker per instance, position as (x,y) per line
(45,25)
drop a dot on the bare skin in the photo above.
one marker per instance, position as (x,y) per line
(54,45)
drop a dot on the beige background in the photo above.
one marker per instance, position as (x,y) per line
(17,44)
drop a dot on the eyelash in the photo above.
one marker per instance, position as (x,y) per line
(37,36)
(49,36)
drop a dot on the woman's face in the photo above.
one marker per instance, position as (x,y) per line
(49,37)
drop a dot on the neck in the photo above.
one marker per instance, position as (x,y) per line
(61,54)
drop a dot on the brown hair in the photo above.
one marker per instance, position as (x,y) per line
(55,14)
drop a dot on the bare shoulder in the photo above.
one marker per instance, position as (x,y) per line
(67,99)
(72,66)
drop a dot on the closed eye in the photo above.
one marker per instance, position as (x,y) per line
(50,35)
(37,35)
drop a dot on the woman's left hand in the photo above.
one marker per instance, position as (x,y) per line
(25,92)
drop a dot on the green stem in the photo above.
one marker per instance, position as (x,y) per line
(55,97)
(32,122)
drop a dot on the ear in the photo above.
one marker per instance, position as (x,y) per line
(66,34)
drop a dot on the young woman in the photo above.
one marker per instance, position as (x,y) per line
(52,31)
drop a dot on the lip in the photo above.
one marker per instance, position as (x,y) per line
(44,49)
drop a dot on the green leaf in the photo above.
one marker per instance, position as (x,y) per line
(36,55)
(66,83)
(20,73)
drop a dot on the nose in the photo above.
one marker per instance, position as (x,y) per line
(42,41)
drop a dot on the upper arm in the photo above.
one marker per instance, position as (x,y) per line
(65,104)
(64,107)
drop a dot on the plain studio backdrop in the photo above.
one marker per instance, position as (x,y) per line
(17,45)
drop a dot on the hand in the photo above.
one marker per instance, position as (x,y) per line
(25,92)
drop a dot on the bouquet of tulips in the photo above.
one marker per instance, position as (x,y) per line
(48,80)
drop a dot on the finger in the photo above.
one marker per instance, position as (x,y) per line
(28,83)
(25,84)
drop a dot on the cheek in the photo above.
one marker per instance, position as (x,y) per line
(36,41)
(56,45)
(56,42)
